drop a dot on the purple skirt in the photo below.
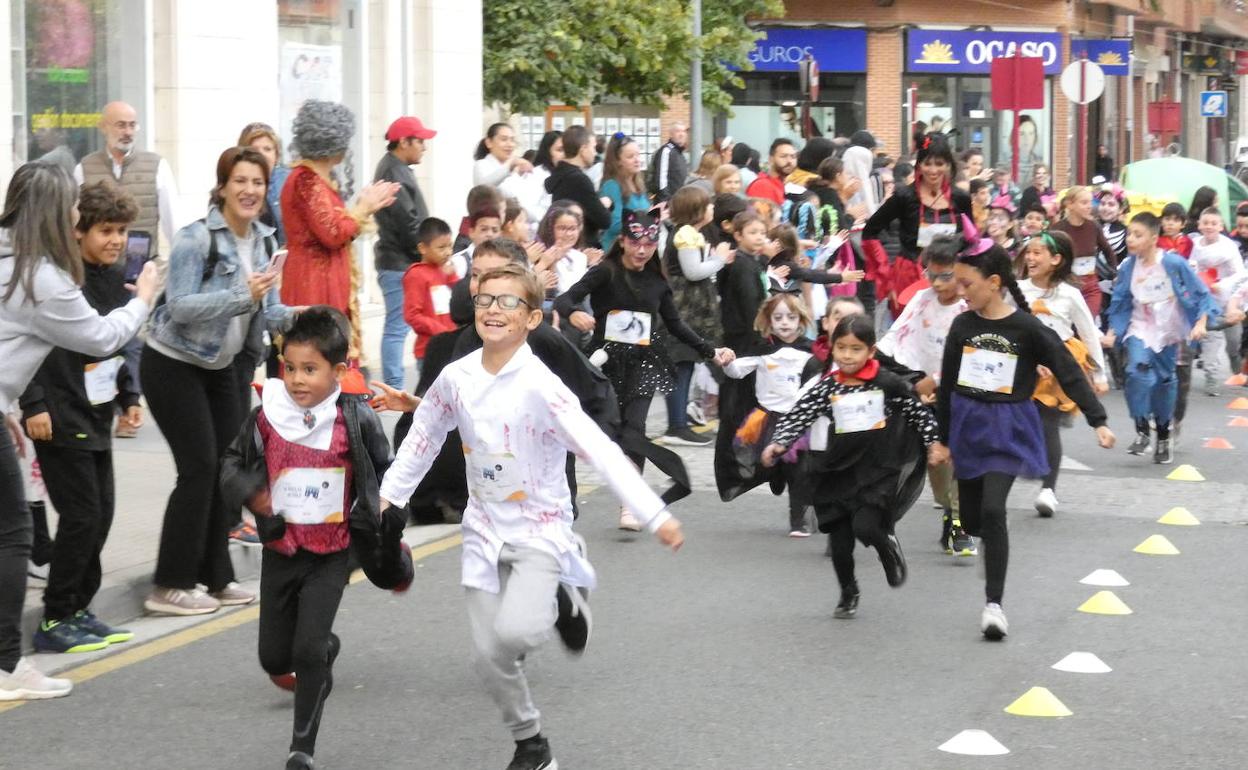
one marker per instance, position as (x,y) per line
(996,437)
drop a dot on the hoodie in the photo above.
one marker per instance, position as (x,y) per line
(569,182)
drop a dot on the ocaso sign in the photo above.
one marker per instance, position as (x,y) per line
(972,51)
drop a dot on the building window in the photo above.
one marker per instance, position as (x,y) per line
(769,107)
(70,58)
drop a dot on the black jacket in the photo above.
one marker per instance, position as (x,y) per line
(569,182)
(668,171)
(741,293)
(903,207)
(375,537)
(398,223)
(59,387)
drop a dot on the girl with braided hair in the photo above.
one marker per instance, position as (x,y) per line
(985,410)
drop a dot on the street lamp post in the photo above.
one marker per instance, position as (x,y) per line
(695,85)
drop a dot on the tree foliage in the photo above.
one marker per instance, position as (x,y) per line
(580,51)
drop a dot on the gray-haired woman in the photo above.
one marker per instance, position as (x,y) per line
(41,307)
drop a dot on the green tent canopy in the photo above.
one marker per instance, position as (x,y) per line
(1179,178)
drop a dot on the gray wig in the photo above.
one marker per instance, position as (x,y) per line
(323,129)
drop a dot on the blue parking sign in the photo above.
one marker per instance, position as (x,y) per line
(1213,104)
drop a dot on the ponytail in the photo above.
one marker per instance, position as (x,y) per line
(994,260)
(1011,283)
(481,151)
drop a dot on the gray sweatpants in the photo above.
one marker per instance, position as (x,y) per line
(508,625)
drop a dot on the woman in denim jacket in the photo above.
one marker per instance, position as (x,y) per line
(219,299)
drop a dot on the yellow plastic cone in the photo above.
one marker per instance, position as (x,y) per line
(1185,473)
(1157,545)
(1038,702)
(1179,517)
(1105,603)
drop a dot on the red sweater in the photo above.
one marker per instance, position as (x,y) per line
(279,455)
(427,302)
(1178,243)
(767,186)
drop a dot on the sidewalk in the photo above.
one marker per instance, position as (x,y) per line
(145,476)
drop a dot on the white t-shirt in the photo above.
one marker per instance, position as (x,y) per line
(1156,318)
(917,338)
(1063,309)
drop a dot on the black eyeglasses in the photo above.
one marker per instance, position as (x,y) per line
(505,301)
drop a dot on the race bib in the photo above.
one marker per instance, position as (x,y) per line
(1083,266)
(493,477)
(441,296)
(928,232)
(310,495)
(631,327)
(101,380)
(856,412)
(1155,287)
(987,370)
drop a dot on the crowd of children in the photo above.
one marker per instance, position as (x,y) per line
(539,349)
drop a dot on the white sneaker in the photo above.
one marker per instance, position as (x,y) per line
(36,571)
(233,595)
(695,414)
(27,683)
(178,601)
(993,623)
(1046,503)
(628,521)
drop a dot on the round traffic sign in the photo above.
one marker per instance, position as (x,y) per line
(1092,77)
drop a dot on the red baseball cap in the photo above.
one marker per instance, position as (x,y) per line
(408,126)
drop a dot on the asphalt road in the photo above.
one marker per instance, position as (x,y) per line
(726,655)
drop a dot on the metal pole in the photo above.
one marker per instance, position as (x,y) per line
(695,86)
(1130,155)
(1082,171)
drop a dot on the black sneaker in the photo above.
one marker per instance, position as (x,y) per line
(894,562)
(86,620)
(848,606)
(1162,455)
(299,761)
(575,622)
(946,529)
(687,437)
(960,543)
(533,754)
(1141,445)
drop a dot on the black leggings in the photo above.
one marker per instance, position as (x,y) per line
(1051,419)
(633,415)
(14,551)
(198,413)
(983,515)
(870,525)
(299,598)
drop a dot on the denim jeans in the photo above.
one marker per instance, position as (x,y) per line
(678,399)
(394,334)
(1152,386)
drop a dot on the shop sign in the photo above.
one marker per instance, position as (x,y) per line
(1110,54)
(972,51)
(1206,64)
(835,49)
(1241,62)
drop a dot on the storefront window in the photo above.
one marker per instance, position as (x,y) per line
(70,58)
(962,107)
(769,107)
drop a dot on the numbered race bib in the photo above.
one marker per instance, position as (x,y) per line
(856,412)
(493,477)
(631,327)
(987,370)
(441,296)
(928,232)
(1083,266)
(310,495)
(101,380)
(1155,287)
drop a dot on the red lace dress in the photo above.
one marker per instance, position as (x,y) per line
(319,233)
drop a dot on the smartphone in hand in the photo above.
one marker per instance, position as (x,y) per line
(138,252)
(277,263)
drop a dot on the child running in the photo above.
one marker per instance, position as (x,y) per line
(1057,300)
(985,409)
(863,460)
(306,435)
(917,341)
(524,568)
(777,366)
(1159,303)
(1216,259)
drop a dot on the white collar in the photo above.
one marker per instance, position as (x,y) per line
(313,428)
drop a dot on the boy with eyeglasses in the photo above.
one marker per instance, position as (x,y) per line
(917,340)
(524,568)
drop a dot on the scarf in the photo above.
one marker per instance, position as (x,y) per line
(866,373)
(313,428)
